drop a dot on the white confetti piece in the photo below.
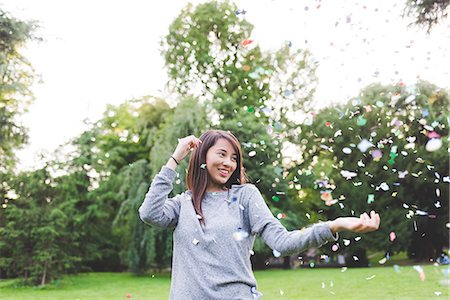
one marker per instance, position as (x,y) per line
(195,241)
(371,277)
(240,235)
(276,253)
(364,145)
(346,150)
(348,174)
(433,145)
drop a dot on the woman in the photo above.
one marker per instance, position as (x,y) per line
(217,219)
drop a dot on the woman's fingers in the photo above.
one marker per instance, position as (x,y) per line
(368,223)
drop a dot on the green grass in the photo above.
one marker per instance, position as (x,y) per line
(359,283)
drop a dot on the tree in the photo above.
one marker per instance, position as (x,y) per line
(427,13)
(36,241)
(148,246)
(371,153)
(16,76)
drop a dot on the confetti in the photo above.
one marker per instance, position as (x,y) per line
(348,174)
(371,277)
(433,145)
(382,261)
(370,198)
(335,247)
(281,216)
(195,241)
(402,174)
(384,186)
(346,242)
(377,154)
(276,253)
(240,12)
(240,235)
(392,236)
(203,166)
(364,145)
(346,150)
(252,153)
(246,42)
(421,272)
(361,121)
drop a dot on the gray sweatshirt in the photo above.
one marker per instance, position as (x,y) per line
(212,261)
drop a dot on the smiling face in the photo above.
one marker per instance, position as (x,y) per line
(221,162)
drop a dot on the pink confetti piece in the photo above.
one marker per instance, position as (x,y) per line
(392,236)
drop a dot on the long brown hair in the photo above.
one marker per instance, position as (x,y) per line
(197,178)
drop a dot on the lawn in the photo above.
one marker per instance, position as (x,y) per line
(358,283)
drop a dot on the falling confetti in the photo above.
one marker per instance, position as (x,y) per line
(346,150)
(392,236)
(364,145)
(240,235)
(377,154)
(276,253)
(246,42)
(361,121)
(348,174)
(433,144)
(421,272)
(281,216)
(195,241)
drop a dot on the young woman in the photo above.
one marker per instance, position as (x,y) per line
(217,219)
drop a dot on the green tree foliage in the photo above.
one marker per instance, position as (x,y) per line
(16,76)
(427,13)
(405,184)
(147,246)
(36,242)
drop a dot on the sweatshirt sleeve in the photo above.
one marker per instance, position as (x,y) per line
(157,208)
(276,236)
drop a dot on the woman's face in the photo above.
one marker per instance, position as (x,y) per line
(221,162)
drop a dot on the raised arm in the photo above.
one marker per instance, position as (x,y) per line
(158,208)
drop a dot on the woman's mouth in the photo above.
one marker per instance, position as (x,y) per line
(223,173)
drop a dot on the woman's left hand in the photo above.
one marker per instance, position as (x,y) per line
(364,223)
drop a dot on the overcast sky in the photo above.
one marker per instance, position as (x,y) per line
(99,52)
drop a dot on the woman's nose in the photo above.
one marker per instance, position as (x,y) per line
(227,161)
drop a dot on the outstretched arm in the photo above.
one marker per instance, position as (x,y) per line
(364,223)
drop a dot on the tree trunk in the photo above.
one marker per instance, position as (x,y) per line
(44,275)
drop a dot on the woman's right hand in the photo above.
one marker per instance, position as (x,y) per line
(185,145)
